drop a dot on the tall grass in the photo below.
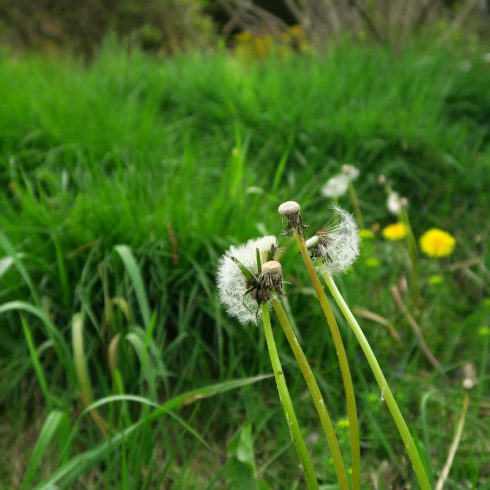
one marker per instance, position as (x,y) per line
(123,181)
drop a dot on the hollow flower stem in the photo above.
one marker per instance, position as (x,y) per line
(316,395)
(343,362)
(356,204)
(287,404)
(413,454)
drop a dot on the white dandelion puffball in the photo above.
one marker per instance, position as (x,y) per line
(336,186)
(338,244)
(232,285)
(350,171)
(395,203)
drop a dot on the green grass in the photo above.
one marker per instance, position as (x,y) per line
(119,191)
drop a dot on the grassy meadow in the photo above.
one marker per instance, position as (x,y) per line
(125,179)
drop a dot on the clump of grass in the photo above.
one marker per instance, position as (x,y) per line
(95,156)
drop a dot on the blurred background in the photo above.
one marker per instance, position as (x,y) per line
(172,26)
(139,140)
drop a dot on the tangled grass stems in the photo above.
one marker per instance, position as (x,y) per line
(343,362)
(286,402)
(315,392)
(403,429)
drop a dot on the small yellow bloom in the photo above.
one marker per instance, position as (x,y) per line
(396,231)
(437,243)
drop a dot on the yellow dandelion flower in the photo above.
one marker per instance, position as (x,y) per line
(437,243)
(396,231)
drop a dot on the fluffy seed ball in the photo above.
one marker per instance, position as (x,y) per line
(232,285)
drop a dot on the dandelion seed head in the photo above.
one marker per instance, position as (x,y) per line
(350,171)
(232,285)
(395,203)
(271,277)
(336,186)
(338,244)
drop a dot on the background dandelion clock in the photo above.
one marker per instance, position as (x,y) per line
(337,244)
(233,286)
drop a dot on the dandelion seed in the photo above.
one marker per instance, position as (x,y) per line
(336,186)
(382,396)
(437,243)
(337,245)
(233,287)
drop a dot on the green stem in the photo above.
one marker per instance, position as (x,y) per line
(343,363)
(414,257)
(356,204)
(286,402)
(383,385)
(316,395)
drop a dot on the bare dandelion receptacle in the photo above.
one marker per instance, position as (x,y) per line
(290,210)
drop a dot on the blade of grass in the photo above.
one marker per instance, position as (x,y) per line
(83,462)
(135,275)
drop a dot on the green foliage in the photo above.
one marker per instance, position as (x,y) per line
(121,184)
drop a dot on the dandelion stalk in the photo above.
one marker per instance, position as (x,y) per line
(343,362)
(356,204)
(286,402)
(316,394)
(382,383)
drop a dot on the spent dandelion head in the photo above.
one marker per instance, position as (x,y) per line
(437,243)
(337,244)
(243,284)
(336,186)
(291,211)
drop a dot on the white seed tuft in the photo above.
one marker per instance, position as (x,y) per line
(395,203)
(232,285)
(339,245)
(336,186)
(289,208)
(350,171)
